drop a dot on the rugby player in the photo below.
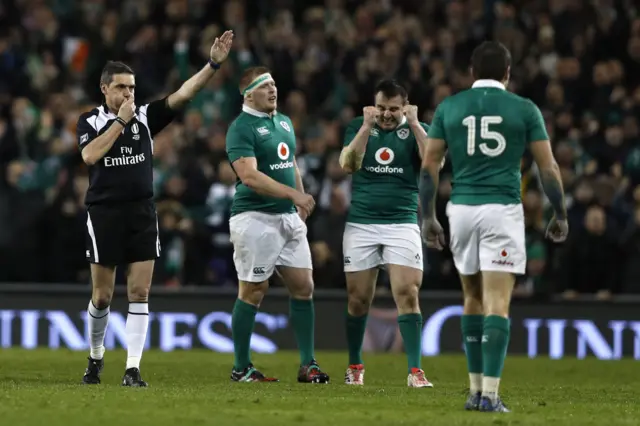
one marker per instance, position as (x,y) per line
(382,149)
(116,142)
(486,130)
(267,232)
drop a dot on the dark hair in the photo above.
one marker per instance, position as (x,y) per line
(249,75)
(112,68)
(491,60)
(391,88)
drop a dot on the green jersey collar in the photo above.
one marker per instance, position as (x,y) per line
(249,110)
(488,83)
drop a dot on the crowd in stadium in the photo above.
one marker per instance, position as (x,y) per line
(578,60)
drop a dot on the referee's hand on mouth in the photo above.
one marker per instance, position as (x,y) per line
(127,110)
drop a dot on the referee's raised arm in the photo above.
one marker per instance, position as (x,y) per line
(219,52)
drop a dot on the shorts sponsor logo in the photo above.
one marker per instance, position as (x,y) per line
(285,126)
(259,270)
(347,260)
(403,133)
(504,259)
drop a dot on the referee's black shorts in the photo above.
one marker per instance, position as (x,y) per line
(122,233)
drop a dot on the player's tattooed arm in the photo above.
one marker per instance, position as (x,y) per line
(549,176)
(552,186)
(427,191)
(430,175)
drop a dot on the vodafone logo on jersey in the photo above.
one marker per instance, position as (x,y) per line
(283,154)
(384,156)
(283,151)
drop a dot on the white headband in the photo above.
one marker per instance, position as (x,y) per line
(257,82)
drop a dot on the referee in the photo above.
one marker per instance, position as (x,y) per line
(116,141)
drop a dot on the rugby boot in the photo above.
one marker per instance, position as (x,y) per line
(354,375)
(132,378)
(311,373)
(92,373)
(488,406)
(250,374)
(417,379)
(473,402)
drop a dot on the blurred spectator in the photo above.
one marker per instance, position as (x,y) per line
(578,61)
(591,258)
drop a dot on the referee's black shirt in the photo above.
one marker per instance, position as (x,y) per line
(125,173)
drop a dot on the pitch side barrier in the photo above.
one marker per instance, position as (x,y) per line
(54,316)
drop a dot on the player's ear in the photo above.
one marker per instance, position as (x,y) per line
(103,88)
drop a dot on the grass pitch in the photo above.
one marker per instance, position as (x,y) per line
(193,388)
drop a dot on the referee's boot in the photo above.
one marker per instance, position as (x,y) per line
(92,373)
(311,373)
(132,378)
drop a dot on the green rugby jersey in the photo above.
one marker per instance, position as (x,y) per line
(487,129)
(271,140)
(385,189)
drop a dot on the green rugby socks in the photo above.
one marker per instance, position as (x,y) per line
(356,327)
(302,316)
(411,331)
(243,320)
(472,330)
(495,340)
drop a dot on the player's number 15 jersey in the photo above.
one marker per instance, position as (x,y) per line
(486,130)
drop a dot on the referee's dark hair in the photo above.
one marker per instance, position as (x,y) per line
(112,68)
(390,89)
(490,61)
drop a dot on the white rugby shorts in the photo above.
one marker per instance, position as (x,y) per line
(262,241)
(367,246)
(487,237)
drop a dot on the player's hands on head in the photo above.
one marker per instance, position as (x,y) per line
(304,204)
(370,115)
(411,112)
(127,109)
(221,47)
(432,233)
(557,230)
